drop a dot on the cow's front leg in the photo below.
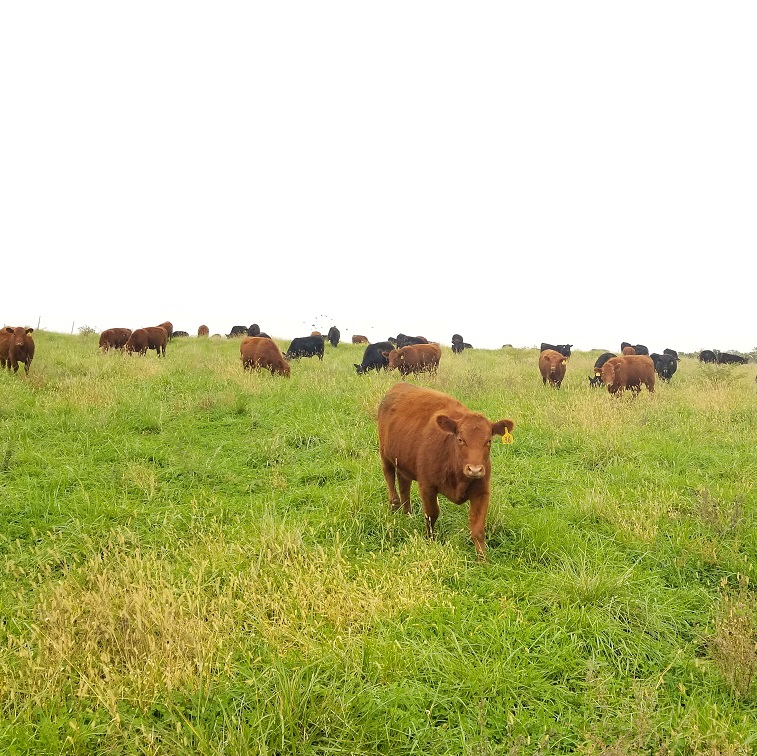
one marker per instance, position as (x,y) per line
(479,506)
(430,507)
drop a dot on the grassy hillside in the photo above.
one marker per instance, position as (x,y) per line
(199,560)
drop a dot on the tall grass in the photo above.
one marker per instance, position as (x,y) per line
(196,559)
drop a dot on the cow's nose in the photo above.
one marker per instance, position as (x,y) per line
(474,471)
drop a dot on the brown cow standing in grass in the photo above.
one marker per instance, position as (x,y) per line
(168,325)
(16,345)
(416,358)
(262,352)
(358,339)
(114,338)
(431,437)
(153,337)
(629,372)
(203,330)
(552,366)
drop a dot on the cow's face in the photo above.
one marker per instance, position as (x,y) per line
(596,381)
(18,335)
(609,376)
(396,358)
(473,440)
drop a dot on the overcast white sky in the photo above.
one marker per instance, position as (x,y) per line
(580,172)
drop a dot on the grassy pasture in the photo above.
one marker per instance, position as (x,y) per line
(199,560)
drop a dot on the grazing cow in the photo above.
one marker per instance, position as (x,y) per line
(627,351)
(596,380)
(253,330)
(180,335)
(671,352)
(707,355)
(305,346)
(154,337)
(620,373)
(375,357)
(428,436)
(333,336)
(203,330)
(16,345)
(665,365)
(259,352)
(726,358)
(563,349)
(236,331)
(358,339)
(114,338)
(415,358)
(552,367)
(402,340)
(169,328)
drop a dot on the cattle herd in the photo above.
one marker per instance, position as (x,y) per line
(424,435)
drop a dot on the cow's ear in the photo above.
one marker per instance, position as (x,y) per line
(502,426)
(446,423)
(385,354)
(30,330)
(9,329)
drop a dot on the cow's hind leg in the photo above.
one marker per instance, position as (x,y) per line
(430,508)
(389,476)
(404,484)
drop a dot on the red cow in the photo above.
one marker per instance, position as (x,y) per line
(168,325)
(629,372)
(552,366)
(262,352)
(628,351)
(114,338)
(16,345)
(153,337)
(428,436)
(358,339)
(203,330)
(416,358)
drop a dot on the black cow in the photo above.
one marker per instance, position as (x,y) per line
(564,349)
(375,357)
(305,346)
(180,334)
(671,352)
(333,336)
(665,365)
(236,331)
(253,330)
(707,355)
(726,358)
(596,380)
(638,348)
(403,340)
(457,343)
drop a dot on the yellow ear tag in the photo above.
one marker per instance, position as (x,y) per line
(564,362)
(507,437)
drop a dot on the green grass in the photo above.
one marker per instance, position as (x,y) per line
(196,559)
